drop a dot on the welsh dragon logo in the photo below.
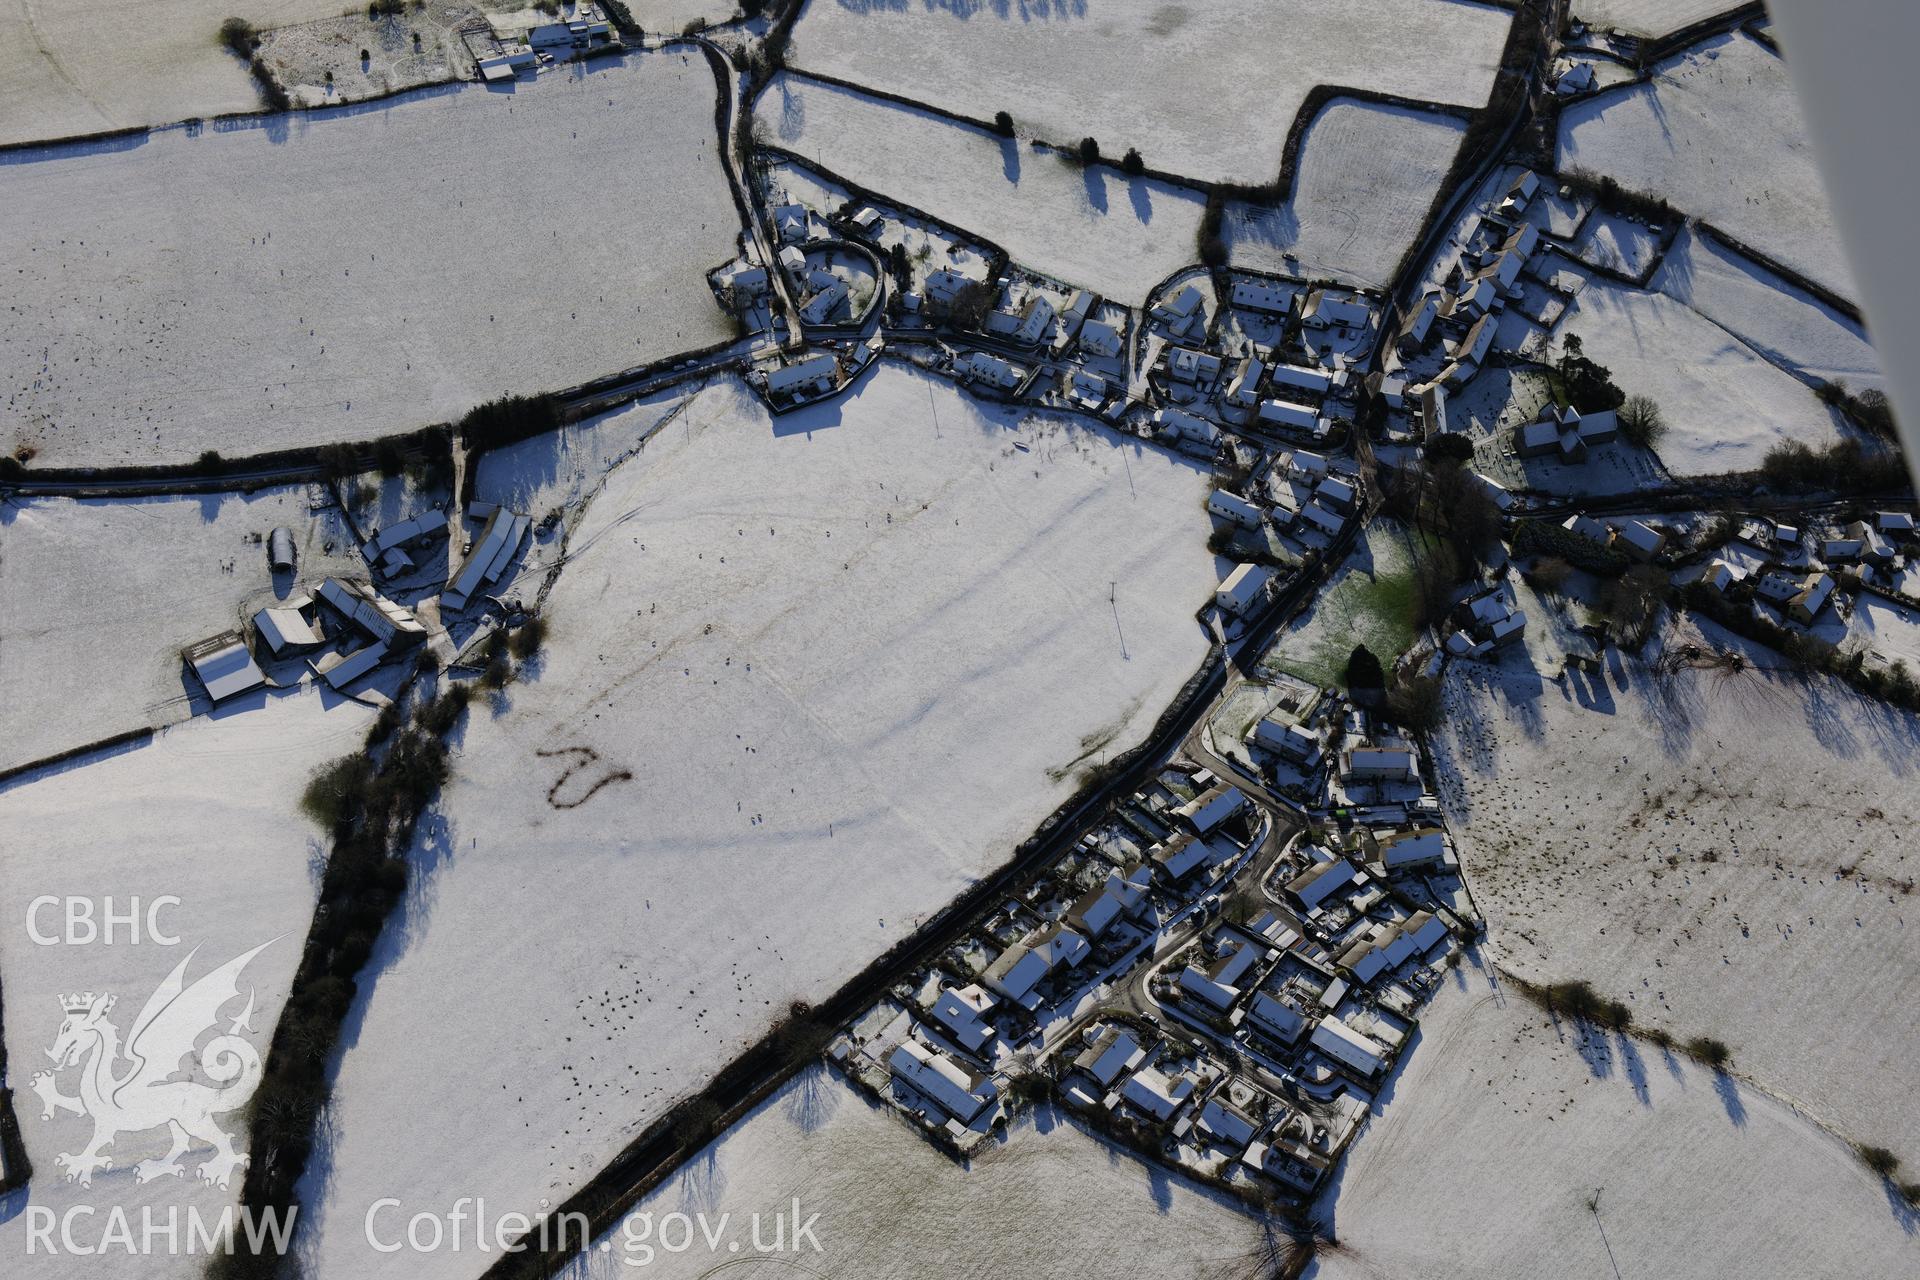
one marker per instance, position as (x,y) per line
(141,1086)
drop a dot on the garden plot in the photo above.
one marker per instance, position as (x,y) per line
(1725,851)
(807,679)
(362,272)
(205,813)
(1619,245)
(1887,629)
(1648,17)
(1196,88)
(1091,226)
(1780,320)
(1050,1200)
(1369,601)
(98,597)
(1724,405)
(1503,1128)
(1368,173)
(88,66)
(1718,133)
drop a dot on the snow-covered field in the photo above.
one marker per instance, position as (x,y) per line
(1727,853)
(1774,317)
(98,597)
(1049,1201)
(807,679)
(366,271)
(1094,227)
(1724,405)
(87,66)
(207,814)
(1503,1127)
(672,15)
(1718,132)
(1648,17)
(1207,91)
(1368,173)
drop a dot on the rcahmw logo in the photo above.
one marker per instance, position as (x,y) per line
(129,1086)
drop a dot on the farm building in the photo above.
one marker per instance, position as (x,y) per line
(286,628)
(280,550)
(224,666)
(499,542)
(381,619)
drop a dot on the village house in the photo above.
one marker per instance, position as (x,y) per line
(1181,313)
(1216,985)
(1154,1093)
(1099,338)
(1018,970)
(1287,740)
(1264,296)
(1638,539)
(1321,881)
(1380,764)
(1278,1021)
(1211,807)
(948,1085)
(1360,1054)
(1564,432)
(1321,309)
(1233,508)
(962,1013)
(1191,365)
(1111,1054)
(1244,391)
(1814,594)
(1286,413)
(1244,590)
(990,370)
(1420,849)
(813,375)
